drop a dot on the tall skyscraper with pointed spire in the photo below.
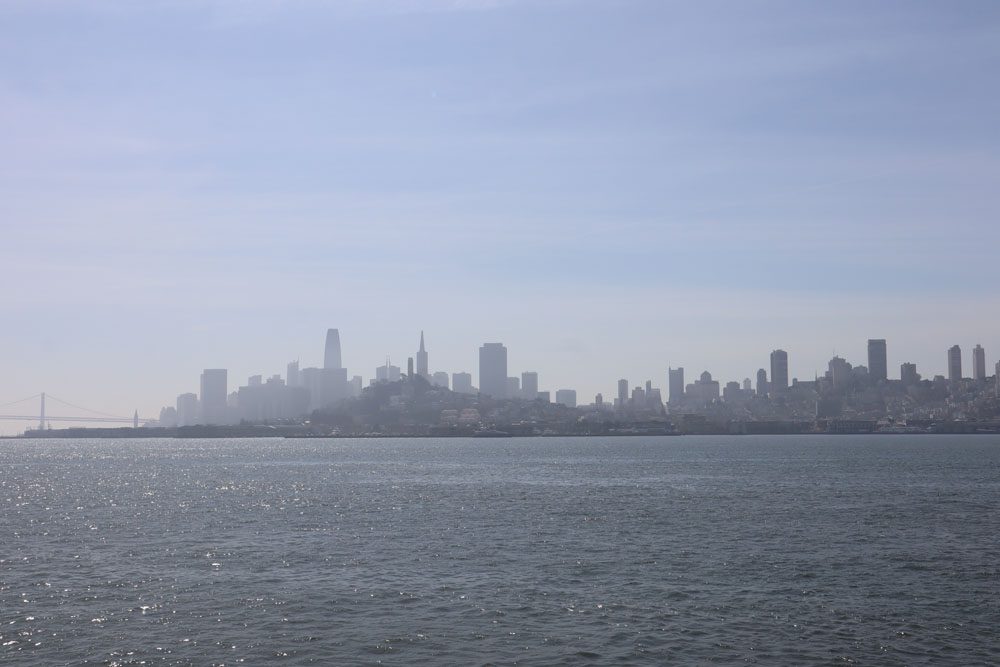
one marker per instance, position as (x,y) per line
(422,359)
(331,358)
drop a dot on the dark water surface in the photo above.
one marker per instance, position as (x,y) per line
(789,550)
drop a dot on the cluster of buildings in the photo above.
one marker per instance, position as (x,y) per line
(843,391)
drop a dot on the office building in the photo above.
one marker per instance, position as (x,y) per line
(440,379)
(493,370)
(761,382)
(779,371)
(422,359)
(513,389)
(978,363)
(461,383)
(529,385)
(908,374)
(878,365)
(187,409)
(622,393)
(214,393)
(566,397)
(954,363)
(675,383)
(331,358)
(355,385)
(292,378)
(747,386)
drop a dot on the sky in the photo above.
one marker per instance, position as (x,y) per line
(609,187)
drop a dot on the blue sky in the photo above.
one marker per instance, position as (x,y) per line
(608,187)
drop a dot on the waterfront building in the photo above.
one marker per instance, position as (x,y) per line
(978,363)
(461,383)
(440,379)
(779,371)
(187,409)
(493,370)
(529,385)
(566,397)
(214,393)
(331,357)
(878,365)
(422,359)
(954,363)
(675,384)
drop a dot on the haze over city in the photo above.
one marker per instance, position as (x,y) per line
(610,189)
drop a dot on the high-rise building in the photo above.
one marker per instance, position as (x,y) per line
(387,373)
(954,363)
(747,385)
(599,401)
(779,371)
(996,379)
(978,363)
(675,381)
(513,389)
(422,359)
(761,382)
(331,358)
(566,397)
(461,383)
(493,370)
(409,367)
(292,378)
(187,409)
(908,374)
(440,379)
(529,385)
(355,385)
(214,393)
(622,393)
(878,364)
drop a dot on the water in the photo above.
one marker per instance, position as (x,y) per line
(789,550)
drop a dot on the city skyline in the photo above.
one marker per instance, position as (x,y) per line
(608,188)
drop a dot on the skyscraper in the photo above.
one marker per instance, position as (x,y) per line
(878,364)
(529,385)
(187,409)
(908,374)
(954,363)
(622,393)
(761,382)
(978,363)
(675,381)
(331,359)
(779,371)
(493,370)
(292,374)
(440,379)
(214,391)
(422,359)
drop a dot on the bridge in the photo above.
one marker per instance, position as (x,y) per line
(44,420)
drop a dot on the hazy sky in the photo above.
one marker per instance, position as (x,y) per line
(608,187)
